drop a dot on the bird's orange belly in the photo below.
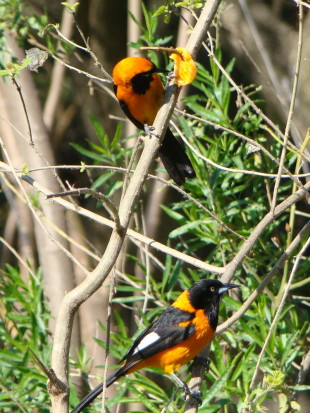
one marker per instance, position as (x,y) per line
(143,107)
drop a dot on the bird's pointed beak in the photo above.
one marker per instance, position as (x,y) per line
(226,287)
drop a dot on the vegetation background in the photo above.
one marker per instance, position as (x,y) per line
(245,120)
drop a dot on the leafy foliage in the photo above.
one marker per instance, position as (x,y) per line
(23,326)
(238,200)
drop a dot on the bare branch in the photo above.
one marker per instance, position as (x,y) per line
(133,234)
(19,90)
(268,218)
(110,207)
(290,113)
(57,75)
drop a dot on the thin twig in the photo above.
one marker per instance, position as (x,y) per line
(20,260)
(65,38)
(302,3)
(253,105)
(19,90)
(277,266)
(85,49)
(291,111)
(109,206)
(147,264)
(124,170)
(37,215)
(104,221)
(82,72)
(245,138)
(292,216)
(275,320)
(147,241)
(268,218)
(212,215)
(241,171)
(162,49)
(91,53)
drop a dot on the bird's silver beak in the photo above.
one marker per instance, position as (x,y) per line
(226,287)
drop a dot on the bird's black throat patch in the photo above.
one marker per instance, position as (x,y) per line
(212,314)
(142,82)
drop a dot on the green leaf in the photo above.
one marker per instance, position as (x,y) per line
(216,387)
(159,11)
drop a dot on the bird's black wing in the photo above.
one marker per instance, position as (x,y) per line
(161,335)
(175,159)
(171,152)
(164,333)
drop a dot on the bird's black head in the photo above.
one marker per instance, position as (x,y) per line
(206,294)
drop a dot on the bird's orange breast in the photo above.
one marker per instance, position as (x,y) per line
(142,107)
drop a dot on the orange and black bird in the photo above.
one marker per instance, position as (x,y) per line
(175,338)
(140,93)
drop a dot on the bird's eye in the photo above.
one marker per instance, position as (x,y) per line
(212,289)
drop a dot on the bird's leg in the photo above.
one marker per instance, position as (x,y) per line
(149,130)
(202,360)
(169,78)
(181,384)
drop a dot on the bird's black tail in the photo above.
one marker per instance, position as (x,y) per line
(96,391)
(175,160)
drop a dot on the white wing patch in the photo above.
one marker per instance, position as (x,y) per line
(147,341)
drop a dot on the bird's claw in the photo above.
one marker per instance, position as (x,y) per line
(149,130)
(196,394)
(193,394)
